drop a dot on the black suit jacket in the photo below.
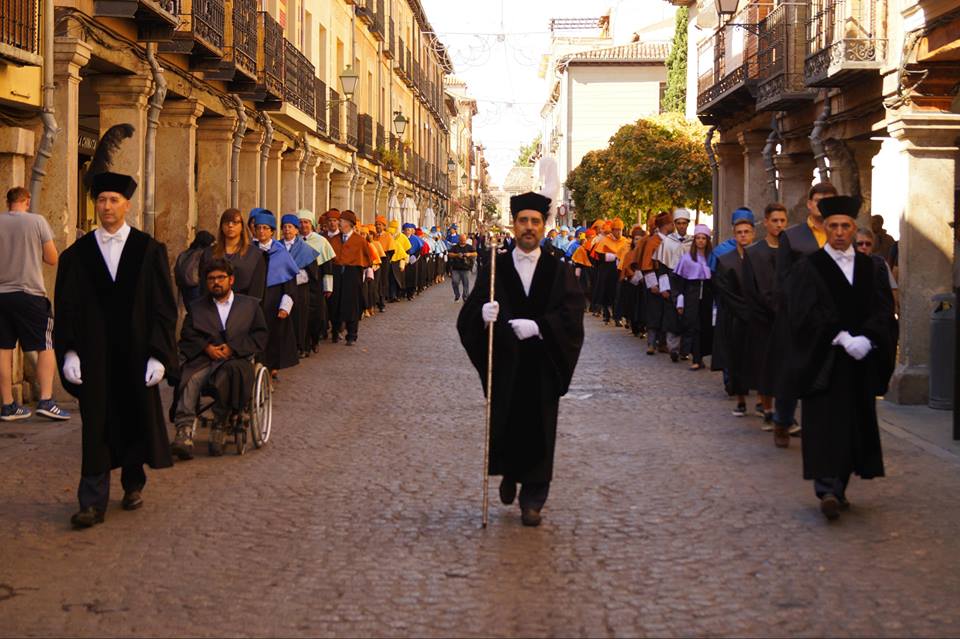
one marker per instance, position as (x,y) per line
(245,333)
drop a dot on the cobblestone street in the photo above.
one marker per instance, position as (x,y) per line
(361,517)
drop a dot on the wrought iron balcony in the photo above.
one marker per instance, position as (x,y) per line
(335,124)
(20,32)
(240,47)
(365,135)
(728,66)
(270,57)
(391,40)
(376,27)
(381,137)
(408,75)
(320,105)
(365,11)
(401,58)
(299,79)
(201,30)
(156,20)
(353,124)
(846,40)
(780,55)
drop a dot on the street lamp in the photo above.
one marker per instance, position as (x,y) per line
(399,123)
(725,11)
(451,165)
(348,81)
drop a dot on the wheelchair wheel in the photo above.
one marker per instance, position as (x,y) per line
(261,407)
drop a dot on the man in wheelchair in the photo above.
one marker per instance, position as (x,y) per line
(221,335)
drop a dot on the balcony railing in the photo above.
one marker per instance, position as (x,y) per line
(391,39)
(201,30)
(320,105)
(336,119)
(365,11)
(270,56)
(353,124)
(845,40)
(240,47)
(381,137)
(298,79)
(20,31)
(728,66)
(780,55)
(365,135)
(376,27)
(156,20)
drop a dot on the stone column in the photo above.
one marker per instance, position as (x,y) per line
(863,153)
(16,146)
(308,199)
(176,221)
(358,197)
(290,181)
(250,171)
(324,170)
(214,149)
(929,146)
(796,175)
(340,184)
(730,159)
(123,100)
(756,192)
(275,177)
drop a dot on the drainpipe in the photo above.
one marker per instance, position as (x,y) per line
(715,170)
(302,169)
(264,156)
(150,144)
(238,135)
(50,129)
(816,141)
(768,152)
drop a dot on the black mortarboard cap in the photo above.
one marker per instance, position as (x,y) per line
(530,201)
(840,205)
(114,183)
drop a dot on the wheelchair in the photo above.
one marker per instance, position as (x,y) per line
(257,418)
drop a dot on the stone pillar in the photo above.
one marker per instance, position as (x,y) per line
(863,153)
(730,159)
(176,193)
(323,170)
(275,177)
(796,175)
(214,150)
(290,181)
(929,146)
(308,198)
(358,199)
(123,100)
(756,192)
(250,171)
(16,145)
(340,184)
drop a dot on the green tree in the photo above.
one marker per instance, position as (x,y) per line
(675,95)
(528,151)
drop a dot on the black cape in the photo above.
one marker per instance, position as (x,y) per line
(759,287)
(730,352)
(115,327)
(840,431)
(529,376)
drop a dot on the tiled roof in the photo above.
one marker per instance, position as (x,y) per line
(633,52)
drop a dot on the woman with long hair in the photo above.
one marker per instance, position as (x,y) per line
(233,244)
(695,299)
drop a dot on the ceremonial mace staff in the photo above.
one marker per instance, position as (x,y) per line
(489,406)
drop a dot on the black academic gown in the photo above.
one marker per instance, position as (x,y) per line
(281,351)
(249,270)
(246,334)
(840,431)
(115,327)
(730,351)
(529,376)
(759,287)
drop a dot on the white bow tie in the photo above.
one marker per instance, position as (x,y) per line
(106,238)
(530,257)
(844,257)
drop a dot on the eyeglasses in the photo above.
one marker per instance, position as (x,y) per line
(865,244)
(217,278)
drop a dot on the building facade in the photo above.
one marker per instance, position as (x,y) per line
(860,92)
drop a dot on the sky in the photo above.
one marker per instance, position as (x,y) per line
(496,48)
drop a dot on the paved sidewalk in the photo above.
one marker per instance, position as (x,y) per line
(362,516)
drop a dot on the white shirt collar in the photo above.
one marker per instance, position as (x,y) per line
(265,247)
(289,243)
(532,256)
(123,232)
(849,254)
(227,301)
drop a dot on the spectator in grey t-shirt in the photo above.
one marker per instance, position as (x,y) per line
(26,243)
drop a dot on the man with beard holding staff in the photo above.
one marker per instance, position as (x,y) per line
(537,320)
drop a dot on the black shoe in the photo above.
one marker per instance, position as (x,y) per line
(844,503)
(740,410)
(334,339)
(132,500)
(674,356)
(830,506)
(508,491)
(530,517)
(618,323)
(182,445)
(87,518)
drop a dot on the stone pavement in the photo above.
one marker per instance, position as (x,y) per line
(361,517)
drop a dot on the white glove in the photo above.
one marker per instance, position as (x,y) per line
(858,347)
(155,372)
(842,339)
(368,273)
(635,280)
(490,311)
(71,368)
(576,271)
(610,257)
(524,328)
(302,277)
(413,258)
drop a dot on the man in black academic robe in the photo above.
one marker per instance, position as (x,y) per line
(839,363)
(114,338)
(538,332)
(215,356)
